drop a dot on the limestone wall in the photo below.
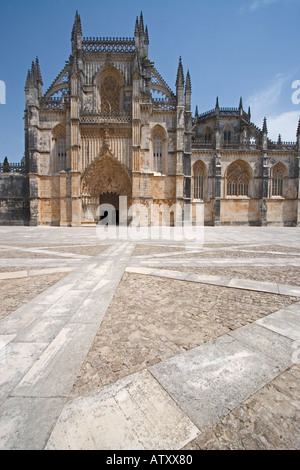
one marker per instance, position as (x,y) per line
(14,208)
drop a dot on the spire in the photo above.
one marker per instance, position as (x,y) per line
(217,104)
(77,29)
(146,36)
(28,79)
(38,70)
(279,141)
(265,129)
(34,82)
(141,22)
(196,112)
(249,113)
(188,86)
(241,103)
(180,75)
(137,28)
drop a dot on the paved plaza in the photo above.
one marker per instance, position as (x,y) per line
(149,345)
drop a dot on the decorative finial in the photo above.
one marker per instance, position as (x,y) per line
(217,103)
(137,28)
(196,112)
(265,128)
(298,129)
(146,36)
(77,29)
(38,70)
(180,75)
(188,86)
(141,22)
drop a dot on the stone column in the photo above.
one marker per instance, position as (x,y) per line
(218,179)
(34,200)
(265,191)
(64,222)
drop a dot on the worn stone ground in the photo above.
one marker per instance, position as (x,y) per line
(152,319)
(17,292)
(269,420)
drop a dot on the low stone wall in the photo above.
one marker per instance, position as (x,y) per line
(14,207)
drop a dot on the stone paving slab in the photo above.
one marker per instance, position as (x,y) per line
(285,322)
(134,413)
(271,344)
(55,371)
(33,272)
(289,290)
(32,400)
(45,252)
(47,370)
(26,423)
(245,284)
(230,262)
(19,319)
(39,262)
(209,381)
(18,359)
(248,284)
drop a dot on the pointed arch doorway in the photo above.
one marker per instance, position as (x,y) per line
(103,182)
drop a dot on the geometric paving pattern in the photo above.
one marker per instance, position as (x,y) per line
(53,346)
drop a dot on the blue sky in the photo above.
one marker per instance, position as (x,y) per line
(232,48)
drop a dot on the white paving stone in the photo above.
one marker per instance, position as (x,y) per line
(134,413)
(211,380)
(285,322)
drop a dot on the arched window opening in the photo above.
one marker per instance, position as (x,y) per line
(199,175)
(227,136)
(238,179)
(59,148)
(208,135)
(61,153)
(157,143)
(278,174)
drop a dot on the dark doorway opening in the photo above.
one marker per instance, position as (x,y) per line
(113,200)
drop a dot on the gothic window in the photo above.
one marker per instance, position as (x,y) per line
(157,143)
(198,180)
(110,94)
(278,174)
(238,179)
(228,134)
(61,153)
(207,135)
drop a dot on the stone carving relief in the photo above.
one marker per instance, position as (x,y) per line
(110,94)
(106,175)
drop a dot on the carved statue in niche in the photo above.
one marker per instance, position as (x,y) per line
(110,94)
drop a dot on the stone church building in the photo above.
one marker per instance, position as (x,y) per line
(110,126)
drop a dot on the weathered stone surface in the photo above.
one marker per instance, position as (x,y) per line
(269,420)
(149,320)
(209,381)
(134,413)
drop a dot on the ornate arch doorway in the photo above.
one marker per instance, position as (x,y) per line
(103,182)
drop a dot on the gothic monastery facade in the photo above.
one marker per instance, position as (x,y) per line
(110,126)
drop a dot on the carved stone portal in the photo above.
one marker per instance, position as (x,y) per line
(105,175)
